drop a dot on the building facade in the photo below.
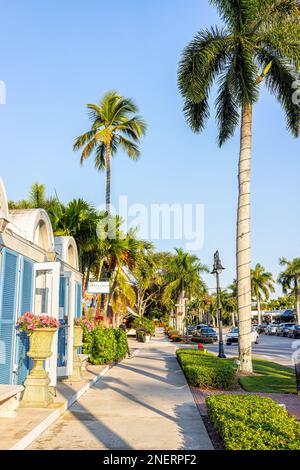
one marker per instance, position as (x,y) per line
(39,273)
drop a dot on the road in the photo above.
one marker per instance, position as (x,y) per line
(273,348)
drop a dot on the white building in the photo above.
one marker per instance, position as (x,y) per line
(38,273)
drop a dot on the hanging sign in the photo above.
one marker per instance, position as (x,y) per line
(98,287)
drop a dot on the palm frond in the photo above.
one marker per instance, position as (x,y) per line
(83,139)
(279,81)
(129,147)
(196,114)
(235,13)
(201,62)
(100,157)
(227,108)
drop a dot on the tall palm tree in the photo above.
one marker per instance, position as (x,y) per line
(183,278)
(262,283)
(259,43)
(115,124)
(290,280)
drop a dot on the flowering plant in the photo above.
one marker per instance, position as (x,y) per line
(84,323)
(30,322)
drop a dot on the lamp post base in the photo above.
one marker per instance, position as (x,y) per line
(221,351)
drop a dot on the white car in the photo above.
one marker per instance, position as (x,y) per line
(271,329)
(233,336)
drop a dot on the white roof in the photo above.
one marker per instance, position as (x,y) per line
(3,202)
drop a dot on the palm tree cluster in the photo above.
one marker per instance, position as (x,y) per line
(259,43)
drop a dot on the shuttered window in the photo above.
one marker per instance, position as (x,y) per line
(62,292)
(78,310)
(8,288)
(26,294)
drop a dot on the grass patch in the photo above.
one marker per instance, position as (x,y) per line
(270,378)
(253,423)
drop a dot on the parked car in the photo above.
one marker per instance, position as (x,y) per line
(191,329)
(233,336)
(201,325)
(294,332)
(261,328)
(271,329)
(207,332)
(283,329)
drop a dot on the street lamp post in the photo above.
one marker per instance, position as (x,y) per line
(217,270)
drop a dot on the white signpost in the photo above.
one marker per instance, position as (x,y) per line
(98,287)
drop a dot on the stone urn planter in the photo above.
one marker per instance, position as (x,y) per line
(36,394)
(77,365)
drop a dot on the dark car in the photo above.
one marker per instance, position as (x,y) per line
(284,328)
(294,332)
(261,328)
(207,332)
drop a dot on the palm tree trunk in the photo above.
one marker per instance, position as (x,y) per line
(108,148)
(297,305)
(243,243)
(259,310)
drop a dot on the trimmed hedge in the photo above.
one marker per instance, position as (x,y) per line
(105,345)
(253,423)
(198,339)
(204,369)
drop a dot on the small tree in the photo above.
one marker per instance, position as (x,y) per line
(289,279)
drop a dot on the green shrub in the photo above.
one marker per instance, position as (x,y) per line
(144,323)
(198,339)
(253,423)
(122,344)
(105,345)
(203,369)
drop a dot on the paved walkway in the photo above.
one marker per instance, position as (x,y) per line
(143,403)
(292,402)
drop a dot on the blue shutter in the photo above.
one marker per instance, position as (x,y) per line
(62,332)
(26,294)
(62,292)
(78,311)
(8,290)
(62,344)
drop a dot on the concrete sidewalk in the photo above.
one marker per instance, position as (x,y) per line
(142,403)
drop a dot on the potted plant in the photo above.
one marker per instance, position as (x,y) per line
(140,335)
(41,329)
(79,325)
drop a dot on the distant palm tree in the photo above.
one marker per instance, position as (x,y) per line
(115,123)
(262,283)
(37,195)
(260,42)
(183,278)
(78,219)
(290,280)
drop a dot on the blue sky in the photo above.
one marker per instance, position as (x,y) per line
(57,56)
